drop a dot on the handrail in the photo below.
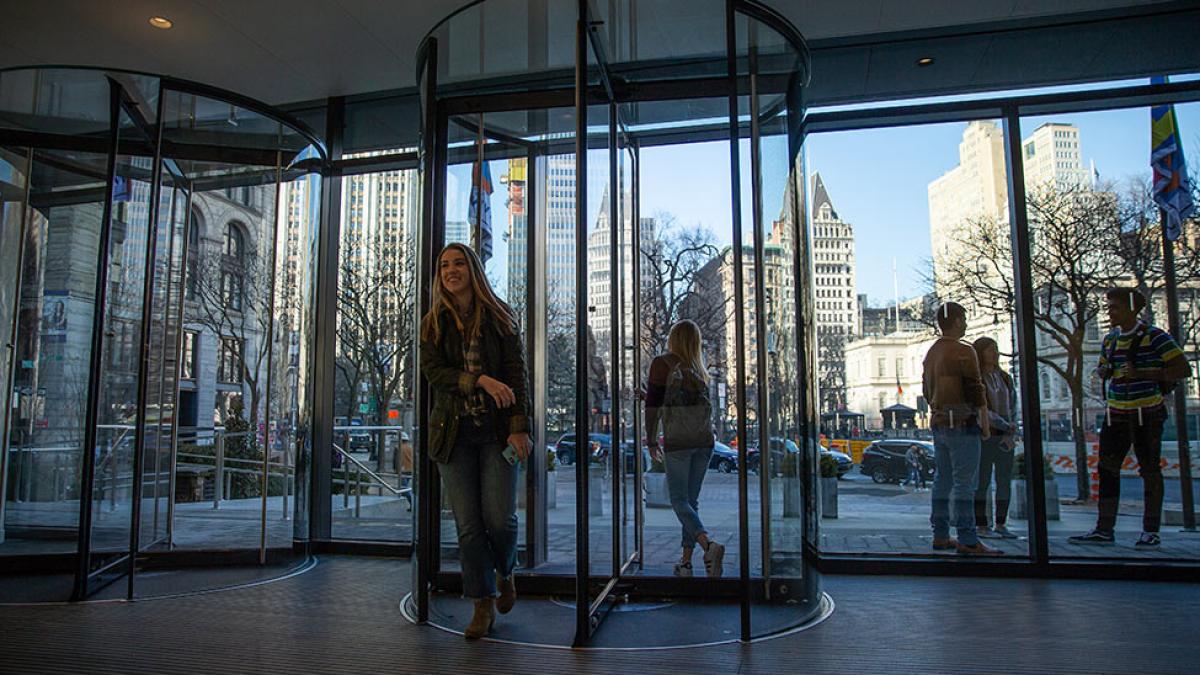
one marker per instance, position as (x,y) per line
(372,474)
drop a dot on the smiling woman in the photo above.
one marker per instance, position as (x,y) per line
(472,356)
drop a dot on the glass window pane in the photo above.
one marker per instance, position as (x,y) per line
(375,352)
(1088,176)
(924,223)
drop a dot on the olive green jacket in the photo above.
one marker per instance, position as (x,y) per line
(450,384)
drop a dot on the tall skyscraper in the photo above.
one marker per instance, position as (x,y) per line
(1051,158)
(976,191)
(836,302)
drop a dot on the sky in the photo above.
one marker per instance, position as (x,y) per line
(877,180)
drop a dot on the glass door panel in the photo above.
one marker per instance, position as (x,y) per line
(113,478)
(14,193)
(52,356)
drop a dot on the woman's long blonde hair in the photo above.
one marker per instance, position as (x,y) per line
(485,300)
(684,341)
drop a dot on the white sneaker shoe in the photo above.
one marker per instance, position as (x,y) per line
(683,569)
(714,556)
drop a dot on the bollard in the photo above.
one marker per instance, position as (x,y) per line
(219,472)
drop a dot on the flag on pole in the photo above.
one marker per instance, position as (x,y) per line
(480,208)
(899,389)
(1172,190)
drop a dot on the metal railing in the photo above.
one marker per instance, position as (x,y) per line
(377,481)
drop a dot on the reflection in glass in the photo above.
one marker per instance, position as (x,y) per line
(375,351)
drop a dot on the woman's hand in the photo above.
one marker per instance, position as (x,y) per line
(501,393)
(656,452)
(522,443)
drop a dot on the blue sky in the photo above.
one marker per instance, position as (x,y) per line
(877,180)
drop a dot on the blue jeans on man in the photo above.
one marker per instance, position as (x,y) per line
(482,488)
(685,476)
(957,460)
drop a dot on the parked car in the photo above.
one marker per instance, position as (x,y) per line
(884,461)
(362,440)
(565,448)
(630,459)
(724,458)
(780,446)
(844,461)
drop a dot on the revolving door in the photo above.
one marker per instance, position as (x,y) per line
(644,172)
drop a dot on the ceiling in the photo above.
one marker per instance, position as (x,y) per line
(301,50)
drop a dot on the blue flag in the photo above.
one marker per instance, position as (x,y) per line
(480,208)
(1172,190)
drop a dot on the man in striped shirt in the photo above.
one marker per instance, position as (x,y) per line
(1136,360)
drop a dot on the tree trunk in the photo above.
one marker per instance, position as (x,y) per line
(1082,477)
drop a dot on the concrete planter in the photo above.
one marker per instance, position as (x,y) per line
(1020,507)
(656,490)
(551,487)
(791,498)
(829,499)
(597,487)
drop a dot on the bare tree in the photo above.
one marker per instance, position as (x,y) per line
(1070,268)
(680,280)
(233,296)
(377,326)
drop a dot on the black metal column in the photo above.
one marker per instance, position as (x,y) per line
(739,320)
(1031,406)
(583,615)
(325,335)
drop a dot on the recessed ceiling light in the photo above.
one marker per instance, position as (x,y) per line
(925,61)
(161,22)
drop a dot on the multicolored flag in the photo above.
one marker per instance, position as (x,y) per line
(480,207)
(899,389)
(1172,190)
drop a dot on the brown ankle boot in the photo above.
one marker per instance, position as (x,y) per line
(482,620)
(508,593)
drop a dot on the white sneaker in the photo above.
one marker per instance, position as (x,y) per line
(714,556)
(683,569)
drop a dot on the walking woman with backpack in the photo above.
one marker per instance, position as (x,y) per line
(478,424)
(677,396)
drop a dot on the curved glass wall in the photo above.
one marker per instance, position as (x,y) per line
(159,247)
(645,172)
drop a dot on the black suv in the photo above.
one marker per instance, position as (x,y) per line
(884,461)
(565,448)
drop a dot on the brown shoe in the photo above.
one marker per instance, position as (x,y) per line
(508,593)
(482,620)
(979,548)
(945,544)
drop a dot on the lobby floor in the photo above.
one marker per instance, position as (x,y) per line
(344,616)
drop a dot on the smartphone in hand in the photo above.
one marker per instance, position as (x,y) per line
(509,454)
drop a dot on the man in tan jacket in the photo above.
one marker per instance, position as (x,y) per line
(952,385)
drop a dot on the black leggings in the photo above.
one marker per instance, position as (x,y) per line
(993,454)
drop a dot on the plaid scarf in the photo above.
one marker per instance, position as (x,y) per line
(476,404)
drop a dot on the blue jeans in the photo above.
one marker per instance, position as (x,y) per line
(685,475)
(957,461)
(482,488)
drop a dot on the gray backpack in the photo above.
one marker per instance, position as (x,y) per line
(687,410)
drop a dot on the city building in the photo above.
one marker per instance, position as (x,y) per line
(837,312)
(218,230)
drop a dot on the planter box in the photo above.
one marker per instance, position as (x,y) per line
(597,487)
(551,487)
(792,503)
(656,490)
(1019,509)
(829,498)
